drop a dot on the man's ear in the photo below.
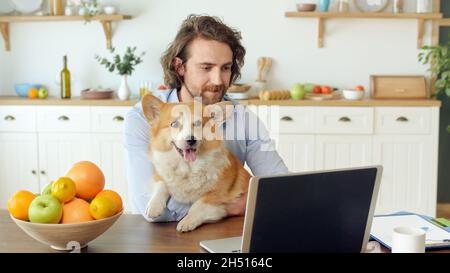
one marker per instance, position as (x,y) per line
(178,65)
(220,112)
(151,106)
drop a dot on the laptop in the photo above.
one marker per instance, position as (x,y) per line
(314,212)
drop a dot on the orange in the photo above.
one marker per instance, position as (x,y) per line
(19,203)
(103,207)
(88,178)
(114,196)
(33,93)
(76,211)
(64,189)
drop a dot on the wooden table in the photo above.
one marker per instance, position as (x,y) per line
(131,233)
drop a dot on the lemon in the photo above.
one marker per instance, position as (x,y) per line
(103,207)
(64,189)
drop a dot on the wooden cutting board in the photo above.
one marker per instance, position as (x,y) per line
(333,96)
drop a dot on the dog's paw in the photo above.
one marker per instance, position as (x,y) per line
(155,208)
(187,224)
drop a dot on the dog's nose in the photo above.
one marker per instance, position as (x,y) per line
(191,141)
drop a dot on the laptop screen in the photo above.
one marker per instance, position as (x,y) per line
(320,212)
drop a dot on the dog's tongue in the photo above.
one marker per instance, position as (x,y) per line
(190,155)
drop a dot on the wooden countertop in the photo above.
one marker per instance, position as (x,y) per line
(14,100)
(77,101)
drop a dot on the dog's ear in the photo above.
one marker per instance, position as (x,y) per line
(151,106)
(220,112)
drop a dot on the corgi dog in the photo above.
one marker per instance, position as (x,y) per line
(191,164)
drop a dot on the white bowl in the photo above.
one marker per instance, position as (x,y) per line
(109,10)
(353,94)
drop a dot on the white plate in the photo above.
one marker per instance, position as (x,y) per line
(27,6)
(6,7)
(237,96)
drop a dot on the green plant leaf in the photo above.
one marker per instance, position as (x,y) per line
(448,128)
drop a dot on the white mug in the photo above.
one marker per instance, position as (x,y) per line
(408,240)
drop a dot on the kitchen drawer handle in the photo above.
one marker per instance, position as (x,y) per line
(286,118)
(43,173)
(63,118)
(33,172)
(345,119)
(402,119)
(9,118)
(118,118)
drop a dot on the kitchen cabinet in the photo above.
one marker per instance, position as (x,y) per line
(108,152)
(18,164)
(59,151)
(297,151)
(40,143)
(342,151)
(408,180)
(402,139)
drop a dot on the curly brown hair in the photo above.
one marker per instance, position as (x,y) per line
(207,27)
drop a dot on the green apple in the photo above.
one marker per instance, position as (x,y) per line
(309,87)
(43,93)
(298,92)
(47,189)
(45,209)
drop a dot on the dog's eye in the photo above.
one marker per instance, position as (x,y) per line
(197,123)
(175,124)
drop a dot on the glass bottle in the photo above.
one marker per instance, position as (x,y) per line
(424,6)
(65,81)
(398,6)
(344,6)
(56,7)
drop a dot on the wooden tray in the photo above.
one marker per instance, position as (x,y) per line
(90,94)
(333,96)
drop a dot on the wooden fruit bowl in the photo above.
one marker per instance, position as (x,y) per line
(67,236)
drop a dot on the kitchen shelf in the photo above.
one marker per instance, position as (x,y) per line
(105,20)
(322,16)
(444,22)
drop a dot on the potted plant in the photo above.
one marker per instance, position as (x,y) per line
(438,57)
(124,65)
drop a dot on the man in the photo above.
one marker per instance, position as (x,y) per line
(203,60)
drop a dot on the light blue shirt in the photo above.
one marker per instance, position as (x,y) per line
(246,147)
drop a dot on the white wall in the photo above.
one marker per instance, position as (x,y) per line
(354,49)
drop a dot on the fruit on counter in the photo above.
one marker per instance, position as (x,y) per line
(19,204)
(359,88)
(326,90)
(163,87)
(88,178)
(298,92)
(114,196)
(103,207)
(43,93)
(76,211)
(64,189)
(45,209)
(309,87)
(47,189)
(274,94)
(317,89)
(58,205)
(33,93)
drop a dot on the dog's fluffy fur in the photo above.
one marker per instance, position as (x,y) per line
(205,175)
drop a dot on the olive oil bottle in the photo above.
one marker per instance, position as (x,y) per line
(65,81)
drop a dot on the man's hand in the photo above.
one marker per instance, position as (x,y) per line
(238,207)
